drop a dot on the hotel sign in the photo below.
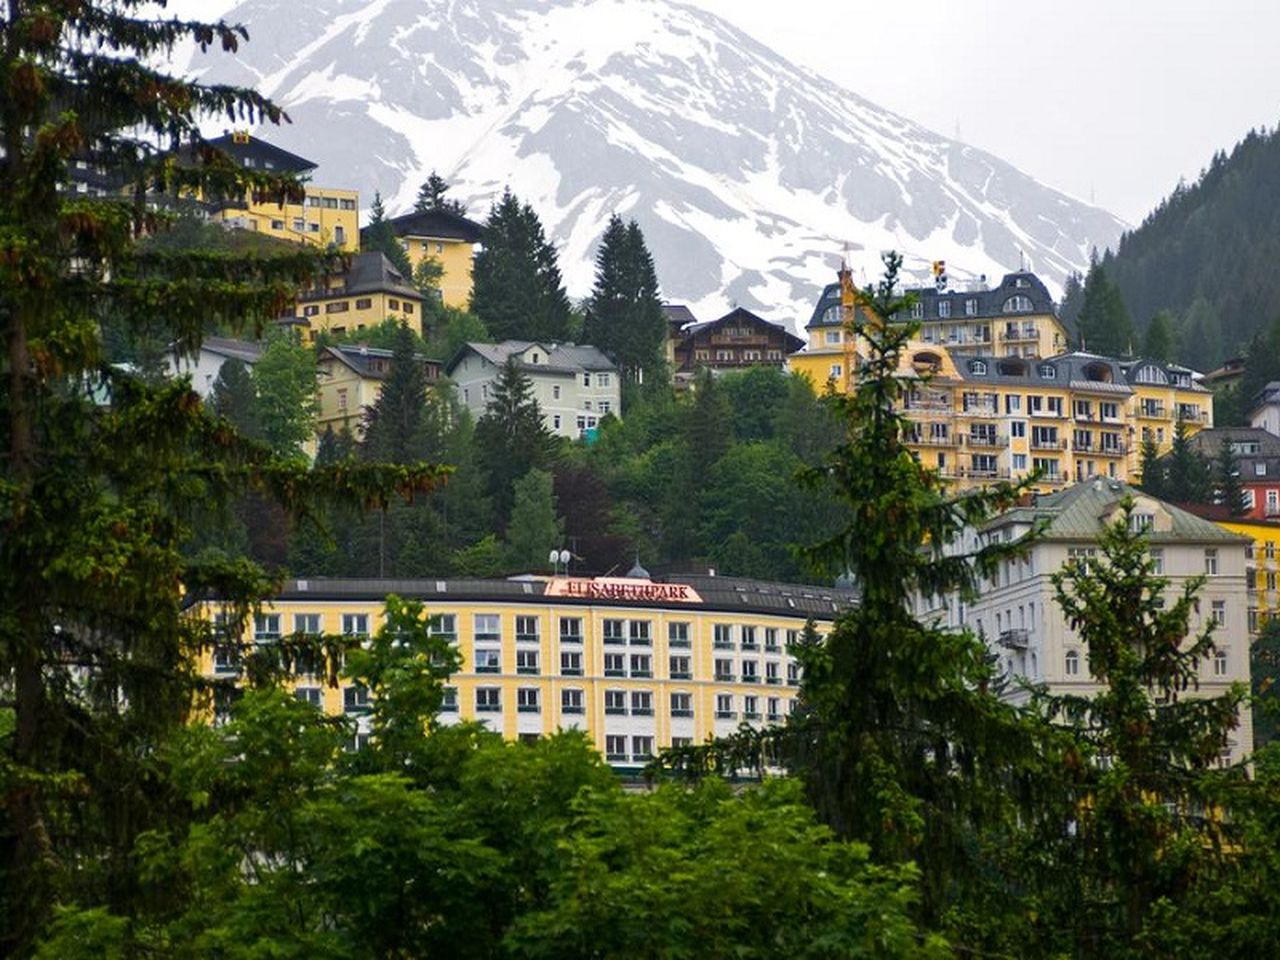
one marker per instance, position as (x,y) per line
(621,588)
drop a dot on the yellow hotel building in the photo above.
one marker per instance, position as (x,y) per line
(1262,556)
(637,664)
(979,417)
(368,292)
(326,216)
(450,239)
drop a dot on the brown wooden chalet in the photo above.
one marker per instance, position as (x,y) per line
(737,340)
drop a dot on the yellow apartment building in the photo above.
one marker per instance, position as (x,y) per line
(370,291)
(448,237)
(1263,559)
(327,216)
(638,664)
(349,379)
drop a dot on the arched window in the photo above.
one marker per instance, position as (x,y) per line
(1048,372)
(978,367)
(1073,663)
(1018,303)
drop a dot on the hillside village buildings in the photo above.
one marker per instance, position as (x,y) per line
(368,292)
(575,386)
(204,366)
(738,340)
(1026,629)
(349,379)
(451,239)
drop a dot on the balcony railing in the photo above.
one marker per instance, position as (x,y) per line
(981,410)
(1010,336)
(1152,411)
(1115,450)
(929,403)
(1014,639)
(1044,444)
(986,440)
(948,441)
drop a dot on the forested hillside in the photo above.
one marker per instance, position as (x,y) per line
(1208,255)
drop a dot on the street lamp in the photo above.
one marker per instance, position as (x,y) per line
(558,559)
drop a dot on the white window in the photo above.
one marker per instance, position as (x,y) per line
(356,700)
(678,634)
(748,637)
(641,665)
(750,671)
(488,626)
(944,308)
(1219,612)
(527,700)
(571,701)
(555,421)
(641,703)
(793,674)
(602,380)
(526,629)
(615,702)
(1140,522)
(724,669)
(555,391)
(527,661)
(641,635)
(444,625)
(774,714)
(266,626)
(641,748)
(615,747)
(449,700)
(836,371)
(724,636)
(771,672)
(570,629)
(1219,663)
(615,665)
(571,664)
(309,695)
(680,668)
(306,623)
(1073,663)
(488,661)
(586,379)
(1157,562)
(1211,562)
(604,406)
(724,707)
(615,631)
(833,337)
(681,705)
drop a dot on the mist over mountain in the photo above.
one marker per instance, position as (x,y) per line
(749,175)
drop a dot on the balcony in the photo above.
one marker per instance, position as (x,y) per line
(1046,444)
(923,441)
(1014,639)
(1086,416)
(1153,411)
(981,410)
(979,473)
(1028,334)
(986,440)
(929,404)
(1115,450)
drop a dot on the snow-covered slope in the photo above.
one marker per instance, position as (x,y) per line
(749,175)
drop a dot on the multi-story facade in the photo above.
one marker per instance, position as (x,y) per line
(368,292)
(1264,409)
(1257,455)
(1070,416)
(326,216)
(637,664)
(349,380)
(575,385)
(738,340)
(206,363)
(450,239)
(1015,319)
(1017,614)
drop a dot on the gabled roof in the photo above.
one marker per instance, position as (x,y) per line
(246,351)
(370,272)
(264,156)
(1080,512)
(1267,395)
(1171,373)
(678,316)
(565,358)
(742,315)
(435,224)
(987,304)
(370,362)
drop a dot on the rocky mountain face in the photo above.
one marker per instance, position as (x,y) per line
(749,175)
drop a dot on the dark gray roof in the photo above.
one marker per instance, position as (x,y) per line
(442,224)
(246,351)
(373,362)
(1083,372)
(728,594)
(1079,512)
(1209,443)
(678,315)
(987,304)
(566,358)
(1170,374)
(1268,394)
(369,272)
(264,154)
(742,315)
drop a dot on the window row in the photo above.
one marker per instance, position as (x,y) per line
(617,703)
(639,666)
(1219,664)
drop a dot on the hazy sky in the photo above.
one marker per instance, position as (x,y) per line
(1112,100)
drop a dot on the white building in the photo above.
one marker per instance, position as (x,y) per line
(575,385)
(1019,617)
(203,368)
(1265,413)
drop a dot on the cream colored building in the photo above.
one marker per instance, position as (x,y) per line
(576,386)
(1017,614)
(639,664)
(349,379)
(368,292)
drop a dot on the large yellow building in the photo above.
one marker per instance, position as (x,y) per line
(349,379)
(1262,575)
(450,239)
(370,291)
(327,216)
(638,664)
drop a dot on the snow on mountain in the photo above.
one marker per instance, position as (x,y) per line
(749,175)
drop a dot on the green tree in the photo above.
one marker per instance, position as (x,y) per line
(535,528)
(1132,829)
(710,422)
(755,396)
(624,316)
(1153,479)
(284,380)
(431,196)
(1230,487)
(1261,365)
(97,646)
(1264,672)
(235,397)
(1103,325)
(517,291)
(401,427)
(1157,342)
(380,236)
(511,437)
(451,328)
(1187,475)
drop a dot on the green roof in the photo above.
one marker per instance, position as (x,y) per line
(1079,512)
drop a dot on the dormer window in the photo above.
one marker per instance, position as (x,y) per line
(1017,304)
(978,368)
(971,307)
(533,358)
(917,311)
(1151,374)
(1048,372)
(944,308)
(1022,283)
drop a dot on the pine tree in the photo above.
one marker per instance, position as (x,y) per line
(1230,487)
(380,236)
(624,314)
(710,423)
(517,291)
(535,529)
(1073,299)
(284,380)
(234,397)
(1186,471)
(97,644)
(1157,342)
(511,437)
(1103,325)
(1153,469)
(431,196)
(396,425)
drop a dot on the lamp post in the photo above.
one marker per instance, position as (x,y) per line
(558,559)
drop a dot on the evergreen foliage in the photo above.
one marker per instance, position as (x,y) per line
(1103,325)
(284,382)
(1157,342)
(511,438)
(1153,470)
(1186,472)
(431,196)
(234,397)
(624,316)
(1261,366)
(1215,240)
(380,236)
(1230,486)
(517,291)
(399,427)
(535,529)
(103,473)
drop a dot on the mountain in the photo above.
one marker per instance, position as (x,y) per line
(1209,254)
(748,174)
